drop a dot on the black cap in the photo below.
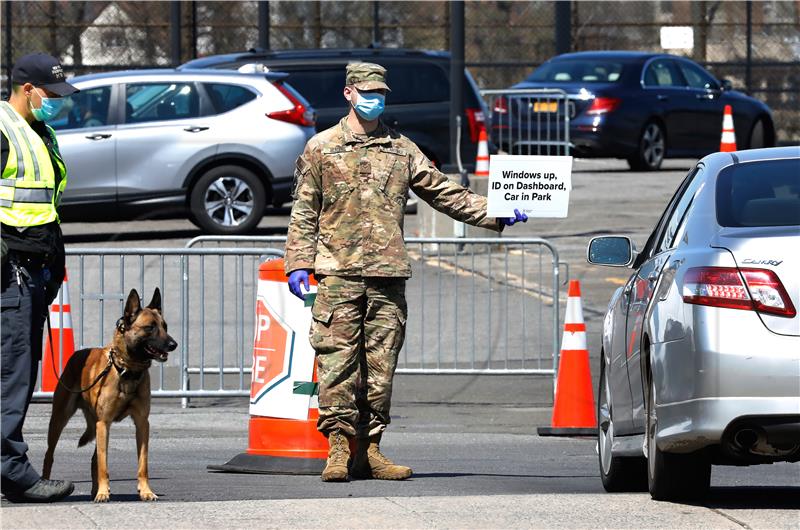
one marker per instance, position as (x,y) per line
(41,70)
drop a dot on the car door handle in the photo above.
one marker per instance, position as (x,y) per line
(98,136)
(662,97)
(704,96)
(195,128)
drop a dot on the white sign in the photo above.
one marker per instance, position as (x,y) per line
(538,186)
(677,38)
(282,354)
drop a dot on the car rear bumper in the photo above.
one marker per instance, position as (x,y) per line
(586,138)
(728,368)
(699,423)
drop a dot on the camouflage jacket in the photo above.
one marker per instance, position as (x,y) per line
(350,193)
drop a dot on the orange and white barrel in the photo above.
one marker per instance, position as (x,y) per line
(284,403)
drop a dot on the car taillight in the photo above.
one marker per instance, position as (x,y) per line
(299,114)
(601,105)
(752,289)
(475,119)
(500,106)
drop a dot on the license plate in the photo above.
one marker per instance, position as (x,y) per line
(545,106)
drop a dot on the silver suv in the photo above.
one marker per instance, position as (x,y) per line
(219,145)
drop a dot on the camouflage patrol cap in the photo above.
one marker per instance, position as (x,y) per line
(367,76)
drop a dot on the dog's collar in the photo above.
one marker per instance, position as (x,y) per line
(123,372)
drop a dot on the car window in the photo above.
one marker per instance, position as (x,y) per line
(662,73)
(146,102)
(225,97)
(322,87)
(417,83)
(763,193)
(672,231)
(696,77)
(583,70)
(84,109)
(650,247)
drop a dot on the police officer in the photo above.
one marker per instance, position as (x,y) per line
(33,179)
(350,190)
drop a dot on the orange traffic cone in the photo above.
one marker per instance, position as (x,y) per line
(63,345)
(574,412)
(482,160)
(727,143)
(284,407)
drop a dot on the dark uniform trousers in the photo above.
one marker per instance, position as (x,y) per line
(23,306)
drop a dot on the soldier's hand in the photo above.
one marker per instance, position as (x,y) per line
(296,279)
(518,218)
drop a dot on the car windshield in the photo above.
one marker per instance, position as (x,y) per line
(578,70)
(764,193)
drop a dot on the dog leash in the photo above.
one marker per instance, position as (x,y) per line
(58,377)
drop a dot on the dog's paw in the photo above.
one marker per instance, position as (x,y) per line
(102,496)
(148,496)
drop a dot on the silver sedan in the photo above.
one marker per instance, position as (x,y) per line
(701,347)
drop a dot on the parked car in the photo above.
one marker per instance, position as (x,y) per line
(700,362)
(418,105)
(642,107)
(217,145)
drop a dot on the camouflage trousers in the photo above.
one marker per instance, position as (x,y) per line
(357,331)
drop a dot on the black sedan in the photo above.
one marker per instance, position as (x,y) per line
(642,107)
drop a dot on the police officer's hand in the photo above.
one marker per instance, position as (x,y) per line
(518,218)
(297,278)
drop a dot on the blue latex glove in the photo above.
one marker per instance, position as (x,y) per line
(518,218)
(297,278)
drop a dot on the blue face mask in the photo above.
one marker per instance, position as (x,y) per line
(49,109)
(370,105)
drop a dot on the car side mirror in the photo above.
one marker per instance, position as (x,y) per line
(613,251)
(726,84)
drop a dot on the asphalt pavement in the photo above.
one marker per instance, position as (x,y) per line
(471,440)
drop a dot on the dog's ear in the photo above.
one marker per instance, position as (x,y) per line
(155,302)
(132,307)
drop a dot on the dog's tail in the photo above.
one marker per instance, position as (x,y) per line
(86,437)
(89,434)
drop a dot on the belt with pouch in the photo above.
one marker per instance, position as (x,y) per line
(28,259)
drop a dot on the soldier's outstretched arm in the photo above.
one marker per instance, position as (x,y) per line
(301,246)
(460,203)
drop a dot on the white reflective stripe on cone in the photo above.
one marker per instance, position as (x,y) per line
(573,341)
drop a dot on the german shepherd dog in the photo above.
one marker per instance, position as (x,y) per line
(109,384)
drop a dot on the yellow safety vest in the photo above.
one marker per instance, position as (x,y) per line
(30,189)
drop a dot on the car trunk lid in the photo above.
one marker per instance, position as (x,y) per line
(771,248)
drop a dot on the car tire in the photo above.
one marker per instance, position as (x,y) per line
(673,476)
(651,148)
(619,474)
(227,200)
(757,138)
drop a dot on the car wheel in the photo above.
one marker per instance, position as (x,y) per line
(651,150)
(617,473)
(227,200)
(673,476)
(757,139)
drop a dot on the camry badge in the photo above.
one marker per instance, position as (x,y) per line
(772,262)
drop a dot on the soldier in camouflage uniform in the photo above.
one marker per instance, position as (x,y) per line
(350,191)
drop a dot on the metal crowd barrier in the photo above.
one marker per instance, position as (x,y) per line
(530,121)
(476,306)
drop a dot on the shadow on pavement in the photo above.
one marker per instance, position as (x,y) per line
(150,235)
(454,475)
(758,497)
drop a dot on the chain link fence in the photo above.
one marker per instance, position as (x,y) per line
(754,44)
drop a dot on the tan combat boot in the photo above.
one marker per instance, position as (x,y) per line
(369,462)
(338,455)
